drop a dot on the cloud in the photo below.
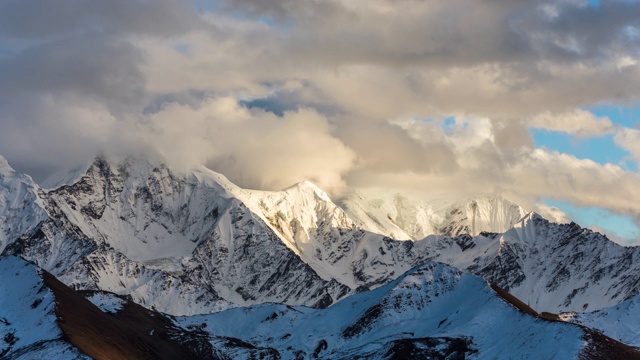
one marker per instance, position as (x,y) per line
(254,148)
(345,93)
(35,20)
(381,60)
(551,212)
(629,139)
(523,173)
(577,122)
(97,67)
(41,134)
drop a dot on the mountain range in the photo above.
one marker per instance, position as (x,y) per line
(291,274)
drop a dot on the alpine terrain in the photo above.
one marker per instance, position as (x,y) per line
(207,269)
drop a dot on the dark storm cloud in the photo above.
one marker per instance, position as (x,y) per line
(596,30)
(457,32)
(33,19)
(89,66)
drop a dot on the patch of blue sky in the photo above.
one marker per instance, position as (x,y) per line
(628,116)
(207,5)
(182,48)
(617,226)
(218,5)
(5,50)
(599,149)
(449,124)
(270,104)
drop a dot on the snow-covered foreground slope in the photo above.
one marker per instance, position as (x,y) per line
(620,322)
(28,327)
(434,311)
(41,318)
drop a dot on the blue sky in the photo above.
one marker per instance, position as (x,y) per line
(603,150)
(599,149)
(620,228)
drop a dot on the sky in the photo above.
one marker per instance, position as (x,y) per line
(536,100)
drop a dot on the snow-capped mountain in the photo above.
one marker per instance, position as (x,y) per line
(552,267)
(181,243)
(21,209)
(393,215)
(193,242)
(433,311)
(555,267)
(401,218)
(489,213)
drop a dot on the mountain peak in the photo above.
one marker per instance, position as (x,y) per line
(308,187)
(3,161)
(480,213)
(5,167)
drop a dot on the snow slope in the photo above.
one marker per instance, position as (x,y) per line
(401,218)
(393,215)
(488,213)
(619,322)
(559,267)
(21,209)
(28,327)
(433,310)
(551,267)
